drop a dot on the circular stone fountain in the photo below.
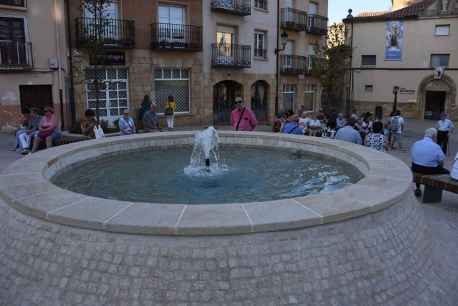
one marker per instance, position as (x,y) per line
(363,244)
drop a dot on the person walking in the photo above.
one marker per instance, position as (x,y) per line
(396,129)
(170,112)
(127,124)
(242,118)
(444,128)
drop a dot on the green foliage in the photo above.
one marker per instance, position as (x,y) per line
(331,67)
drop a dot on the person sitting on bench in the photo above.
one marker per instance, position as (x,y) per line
(427,157)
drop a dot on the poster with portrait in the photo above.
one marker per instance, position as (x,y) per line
(394,40)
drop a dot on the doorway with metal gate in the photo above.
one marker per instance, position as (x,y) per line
(260,100)
(224,94)
(434,104)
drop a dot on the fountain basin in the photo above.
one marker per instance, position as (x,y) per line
(26,186)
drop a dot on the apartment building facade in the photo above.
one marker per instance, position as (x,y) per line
(150,48)
(411,50)
(204,53)
(33,66)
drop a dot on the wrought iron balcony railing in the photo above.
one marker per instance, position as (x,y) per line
(293,64)
(234,56)
(15,55)
(18,3)
(176,37)
(112,33)
(293,19)
(235,7)
(317,24)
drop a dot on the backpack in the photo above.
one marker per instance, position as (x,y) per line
(395,124)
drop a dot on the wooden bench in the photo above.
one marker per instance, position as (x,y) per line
(435,185)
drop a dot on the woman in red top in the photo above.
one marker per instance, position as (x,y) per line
(47,131)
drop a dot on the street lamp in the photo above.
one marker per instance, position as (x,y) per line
(395,103)
(283,41)
(349,95)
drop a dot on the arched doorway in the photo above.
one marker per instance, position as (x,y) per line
(224,94)
(260,100)
(436,96)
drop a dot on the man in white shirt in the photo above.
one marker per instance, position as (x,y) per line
(444,128)
(427,156)
(396,129)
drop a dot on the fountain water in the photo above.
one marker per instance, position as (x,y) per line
(205,157)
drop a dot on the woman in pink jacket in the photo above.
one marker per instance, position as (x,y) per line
(242,118)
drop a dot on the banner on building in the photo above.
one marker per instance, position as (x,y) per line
(394,40)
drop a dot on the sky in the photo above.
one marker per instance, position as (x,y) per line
(338,9)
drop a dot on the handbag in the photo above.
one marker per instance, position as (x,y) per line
(98,132)
(168,111)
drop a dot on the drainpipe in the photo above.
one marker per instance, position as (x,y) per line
(277,54)
(59,62)
(70,65)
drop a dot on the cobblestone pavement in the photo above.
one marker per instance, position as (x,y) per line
(405,256)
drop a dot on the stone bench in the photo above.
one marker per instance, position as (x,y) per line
(435,185)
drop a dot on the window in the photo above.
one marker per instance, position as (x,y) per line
(289,96)
(260,44)
(442,30)
(171,14)
(312,8)
(261,4)
(113,91)
(440,60)
(368,88)
(13,47)
(12,29)
(110,10)
(20,3)
(171,21)
(172,82)
(368,60)
(310,95)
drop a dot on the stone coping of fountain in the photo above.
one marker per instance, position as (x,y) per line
(26,186)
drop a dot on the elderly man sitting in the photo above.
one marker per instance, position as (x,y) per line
(427,156)
(292,126)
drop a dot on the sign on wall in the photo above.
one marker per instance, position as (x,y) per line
(394,40)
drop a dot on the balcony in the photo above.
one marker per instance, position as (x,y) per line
(113,33)
(231,56)
(181,37)
(317,25)
(15,55)
(292,19)
(234,7)
(293,64)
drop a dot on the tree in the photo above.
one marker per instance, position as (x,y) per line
(93,27)
(331,67)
